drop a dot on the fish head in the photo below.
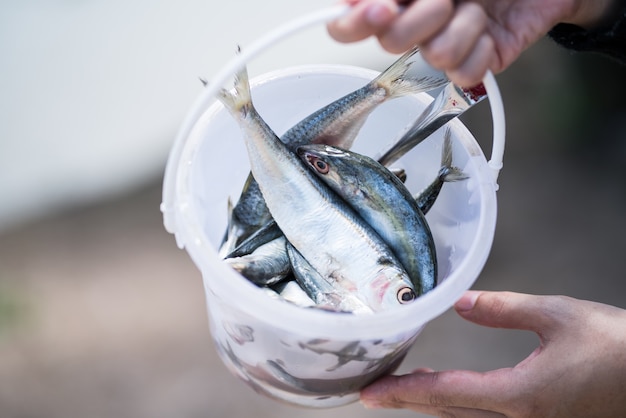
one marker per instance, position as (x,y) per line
(389,291)
(328,163)
(317,156)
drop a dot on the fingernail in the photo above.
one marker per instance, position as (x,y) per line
(379,14)
(467,301)
(422,370)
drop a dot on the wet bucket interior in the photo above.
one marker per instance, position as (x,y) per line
(311,357)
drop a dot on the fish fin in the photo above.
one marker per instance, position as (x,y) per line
(397,82)
(228,99)
(242,85)
(230,236)
(407,86)
(239,99)
(397,70)
(446,151)
(229,208)
(399,172)
(447,172)
(452,174)
(306,276)
(231,213)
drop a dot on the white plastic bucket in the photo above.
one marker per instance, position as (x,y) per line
(303,356)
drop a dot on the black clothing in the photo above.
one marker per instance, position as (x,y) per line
(608,38)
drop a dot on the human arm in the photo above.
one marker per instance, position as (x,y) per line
(465,38)
(578,370)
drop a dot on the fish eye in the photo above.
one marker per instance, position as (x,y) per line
(319,165)
(406,295)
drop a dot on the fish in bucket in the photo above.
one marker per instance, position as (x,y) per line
(314,353)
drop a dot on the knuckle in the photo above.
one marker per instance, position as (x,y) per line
(444,9)
(436,398)
(498,304)
(445,51)
(471,80)
(394,44)
(442,56)
(474,10)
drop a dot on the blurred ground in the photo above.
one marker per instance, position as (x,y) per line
(102,316)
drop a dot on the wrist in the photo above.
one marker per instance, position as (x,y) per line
(589,14)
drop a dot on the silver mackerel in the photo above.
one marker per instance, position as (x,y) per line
(384,202)
(333,239)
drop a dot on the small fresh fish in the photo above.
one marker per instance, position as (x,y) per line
(447,173)
(337,243)
(322,291)
(451,102)
(267,265)
(384,202)
(337,124)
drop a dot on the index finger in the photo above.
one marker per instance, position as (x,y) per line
(543,315)
(366,18)
(418,23)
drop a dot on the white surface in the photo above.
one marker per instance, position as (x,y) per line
(93,92)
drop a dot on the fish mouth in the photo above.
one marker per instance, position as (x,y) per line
(309,157)
(301,151)
(306,155)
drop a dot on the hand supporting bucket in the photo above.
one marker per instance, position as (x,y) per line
(304,356)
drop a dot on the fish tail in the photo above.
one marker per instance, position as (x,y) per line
(392,77)
(399,68)
(447,172)
(398,83)
(239,99)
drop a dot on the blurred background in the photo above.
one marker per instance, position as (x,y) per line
(102,315)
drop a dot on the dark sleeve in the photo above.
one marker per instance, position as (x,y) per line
(609,38)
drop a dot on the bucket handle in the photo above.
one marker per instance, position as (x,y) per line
(239,61)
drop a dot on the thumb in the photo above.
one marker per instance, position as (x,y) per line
(507,310)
